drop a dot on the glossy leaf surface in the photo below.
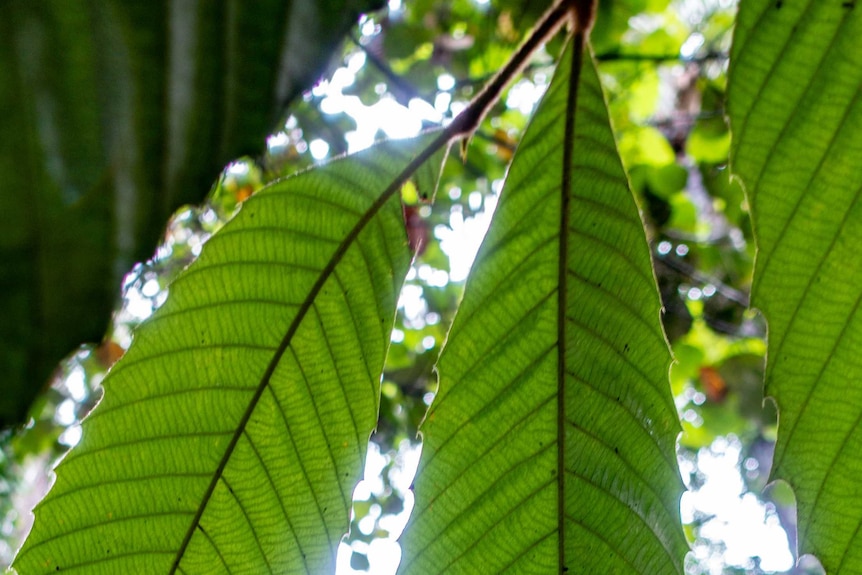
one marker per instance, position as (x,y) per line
(796,118)
(550,446)
(115,114)
(232,432)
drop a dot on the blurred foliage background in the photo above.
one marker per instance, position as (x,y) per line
(414,65)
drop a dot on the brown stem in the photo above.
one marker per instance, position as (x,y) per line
(585,16)
(468,120)
(463,125)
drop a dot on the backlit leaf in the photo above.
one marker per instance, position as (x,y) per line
(796,119)
(233,430)
(550,446)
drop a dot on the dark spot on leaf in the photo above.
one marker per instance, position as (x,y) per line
(779,4)
(849,5)
(626,348)
(616,450)
(565,569)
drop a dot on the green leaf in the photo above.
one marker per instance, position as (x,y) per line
(550,446)
(232,432)
(796,119)
(116,113)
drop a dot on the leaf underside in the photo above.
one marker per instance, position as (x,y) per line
(796,116)
(233,431)
(550,446)
(116,114)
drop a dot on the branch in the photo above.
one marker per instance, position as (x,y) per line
(689,271)
(496,140)
(619,57)
(468,120)
(397,82)
(613,57)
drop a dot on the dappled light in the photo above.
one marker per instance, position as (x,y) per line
(736,527)
(552,328)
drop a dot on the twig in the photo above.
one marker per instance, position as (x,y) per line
(467,122)
(496,140)
(731,293)
(397,82)
(612,57)
(619,57)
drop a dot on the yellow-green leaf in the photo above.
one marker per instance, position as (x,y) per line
(550,446)
(232,432)
(796,119)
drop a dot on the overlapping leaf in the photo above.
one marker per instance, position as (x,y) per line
(115,114)
(796,118)
(550,446)
(232,432)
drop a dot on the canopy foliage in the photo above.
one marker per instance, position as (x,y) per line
(231,433)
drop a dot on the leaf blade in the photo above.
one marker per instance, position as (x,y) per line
(795,114)
(123,112)
(505,424)
(262,369)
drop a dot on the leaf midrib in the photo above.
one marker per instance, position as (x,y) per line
(307,304)
(562,286)
(463,125)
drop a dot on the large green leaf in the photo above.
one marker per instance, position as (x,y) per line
(796,118)
(116,113)
(550,446)
(232,432)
